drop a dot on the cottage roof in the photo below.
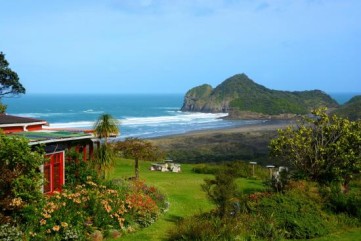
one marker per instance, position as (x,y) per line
(17,120)
(43,137)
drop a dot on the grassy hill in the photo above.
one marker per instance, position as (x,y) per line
(241,94)
(351,109)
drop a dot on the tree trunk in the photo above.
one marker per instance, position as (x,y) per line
(136,168)
(345,187)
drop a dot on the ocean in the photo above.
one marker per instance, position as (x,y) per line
(142,116)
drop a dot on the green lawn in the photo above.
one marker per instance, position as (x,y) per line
(182,189)
(349,235)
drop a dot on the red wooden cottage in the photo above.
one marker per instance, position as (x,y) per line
(55,142)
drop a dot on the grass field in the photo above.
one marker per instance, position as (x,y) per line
(186,198)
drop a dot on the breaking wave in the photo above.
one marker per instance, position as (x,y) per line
(179,118)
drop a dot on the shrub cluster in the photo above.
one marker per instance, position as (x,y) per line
(263,216)
(343,203)
(205,227)
(238,169)
(302,211)
(292,215)
(76,213)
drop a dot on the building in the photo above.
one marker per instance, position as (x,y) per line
(55,143)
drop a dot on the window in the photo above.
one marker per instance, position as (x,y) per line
(54,172)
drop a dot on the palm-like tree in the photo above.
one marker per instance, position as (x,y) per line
(105,127)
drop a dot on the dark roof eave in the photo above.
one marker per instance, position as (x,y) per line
(33,143)
(11,119)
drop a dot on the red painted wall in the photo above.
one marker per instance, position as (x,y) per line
(35,128)
(8,130)
(54,173)
(13,129)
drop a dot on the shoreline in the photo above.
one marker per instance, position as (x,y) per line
(270,125)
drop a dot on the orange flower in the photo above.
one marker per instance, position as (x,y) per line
(56,228)
(46,215)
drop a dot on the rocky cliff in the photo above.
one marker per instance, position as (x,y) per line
(239,95)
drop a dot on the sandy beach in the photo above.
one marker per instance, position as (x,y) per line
(247,142)
(273,125)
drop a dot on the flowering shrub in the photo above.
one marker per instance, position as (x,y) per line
(75,214)
(86,204)
(20,180)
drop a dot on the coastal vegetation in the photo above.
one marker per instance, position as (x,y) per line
(323,149)
(88,205)
(305,203)
(351,109)
(248,143)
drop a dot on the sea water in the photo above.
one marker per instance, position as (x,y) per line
(141,116)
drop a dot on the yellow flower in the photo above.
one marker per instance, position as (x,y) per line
(56,228)
(42,222)
(46,215)
(48,231)
(64,224)
(16,202)
(56,194)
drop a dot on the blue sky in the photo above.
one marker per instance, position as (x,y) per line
(169,46)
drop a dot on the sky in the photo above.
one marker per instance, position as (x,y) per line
(170,46)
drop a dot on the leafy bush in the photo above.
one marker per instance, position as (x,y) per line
(340,202)
(205,169)
(322,148)
(205,227)
(238,169)
(78,171)
(293,215)
(222,191)
(20,181)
